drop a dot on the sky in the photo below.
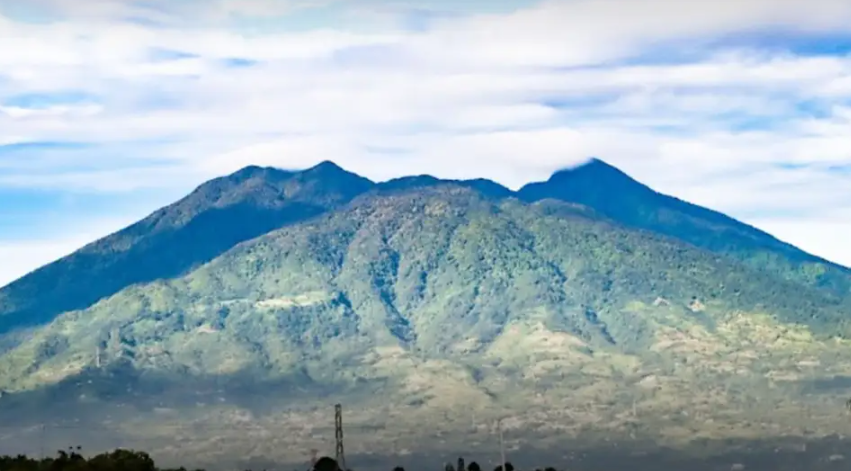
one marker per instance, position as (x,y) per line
(110,109)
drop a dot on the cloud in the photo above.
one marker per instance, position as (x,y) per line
(825,236)
(23,255)
(714,103)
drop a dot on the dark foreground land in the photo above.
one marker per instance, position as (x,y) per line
(792,455)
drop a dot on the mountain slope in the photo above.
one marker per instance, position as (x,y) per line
(420,303)
(614,194)
(441,270)
(212,219)
(253,201)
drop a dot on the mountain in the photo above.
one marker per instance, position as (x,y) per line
(614,194)
(170,242)
(431,308)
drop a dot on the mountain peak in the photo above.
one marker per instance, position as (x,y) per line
(594,183)
(593,168)
(323,169)
(326,166)
(265,183)
(617,196)
(598,162)
(213,218)
(600,165)
(329,171)
(245,174)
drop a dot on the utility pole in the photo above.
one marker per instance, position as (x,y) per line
(501,444)
(43,454)
(313,453)
(338,432)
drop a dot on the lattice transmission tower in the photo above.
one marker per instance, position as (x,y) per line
(338,433)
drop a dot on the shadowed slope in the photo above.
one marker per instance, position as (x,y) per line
(614,194)
(218,215)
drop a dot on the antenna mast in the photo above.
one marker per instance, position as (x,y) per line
(501,444)
(338,432)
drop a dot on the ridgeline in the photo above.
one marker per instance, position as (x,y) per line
(588,304)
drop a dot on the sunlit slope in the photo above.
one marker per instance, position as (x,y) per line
(439,272)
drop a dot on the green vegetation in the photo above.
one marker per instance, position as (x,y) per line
(615,195)
(421,301)
(428,270)
(227,211)
(175,239)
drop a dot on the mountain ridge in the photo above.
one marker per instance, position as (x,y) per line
(255,200)
(355,247)
(420,301)
(595,183)
(211,219)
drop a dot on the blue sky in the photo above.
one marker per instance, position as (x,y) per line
(110,109)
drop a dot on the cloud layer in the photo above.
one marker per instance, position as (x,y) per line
(744,107)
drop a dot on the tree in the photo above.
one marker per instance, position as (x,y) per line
(508,467)
(326,464)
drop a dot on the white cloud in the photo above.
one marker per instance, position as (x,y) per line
(823,237)
(261,8)
(18,112)
(474,96)
(592,31)
(21,256)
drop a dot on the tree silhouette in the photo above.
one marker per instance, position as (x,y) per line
(73,460)
(326,464)
(130,460)
(508,467)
